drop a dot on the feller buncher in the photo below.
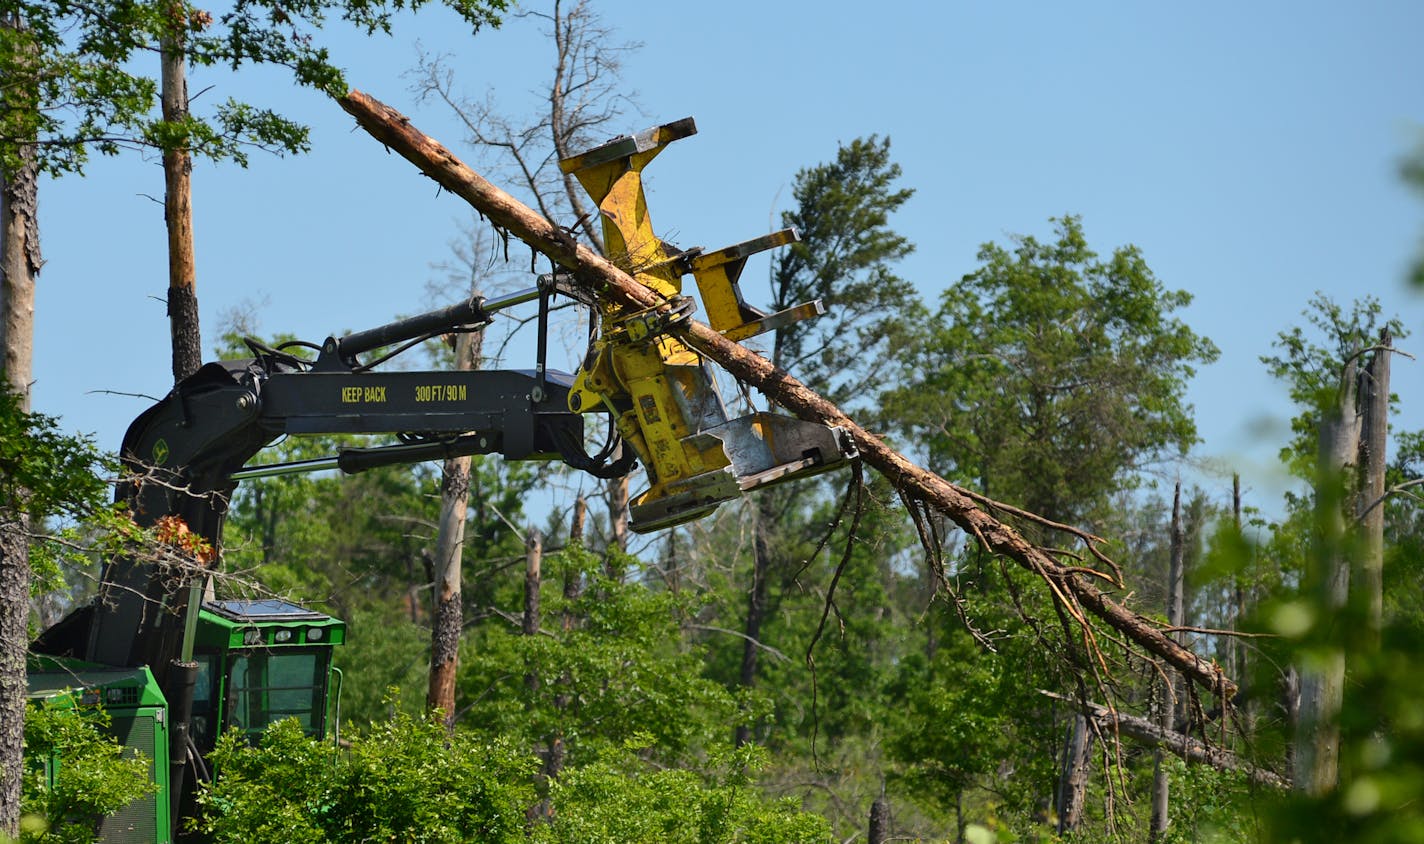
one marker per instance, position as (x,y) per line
(175,666)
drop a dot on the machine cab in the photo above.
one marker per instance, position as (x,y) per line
(262,661)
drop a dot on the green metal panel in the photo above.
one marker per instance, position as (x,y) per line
(270,623)
(144,732)
(138,720)
(65,683)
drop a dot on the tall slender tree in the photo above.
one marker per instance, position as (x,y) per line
(1342,388)
(19,267)
(447,617)
(178,201)
(846,258)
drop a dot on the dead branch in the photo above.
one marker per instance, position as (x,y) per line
(1184,746)
(600,277)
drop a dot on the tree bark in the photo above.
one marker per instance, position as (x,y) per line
(879,831)
(617,489)
(1236,653)
(178,207)
(1374,430)
(533,562)
(1166,705)
(1322,680)
(573,588)
(14,636)
(19,265)
(611,284)
(1073,781)
(756,612)
(448,618)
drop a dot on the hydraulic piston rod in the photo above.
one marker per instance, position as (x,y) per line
(473,311)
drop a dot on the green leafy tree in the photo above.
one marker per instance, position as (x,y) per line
(1367,735)
(1311,360)
(846,257)
(1049,376)
(622,671)
(82,91)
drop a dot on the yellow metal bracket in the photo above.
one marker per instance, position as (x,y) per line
(717,275)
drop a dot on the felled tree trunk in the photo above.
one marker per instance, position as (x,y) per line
(605,280)
(1112,722)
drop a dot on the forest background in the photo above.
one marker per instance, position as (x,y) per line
(905,666)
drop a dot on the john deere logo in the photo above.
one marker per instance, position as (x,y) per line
(160,452)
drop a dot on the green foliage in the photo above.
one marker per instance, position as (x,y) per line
(403,780)
(406,779)
(44,472)
(93,778)
(627,799)
(60,482)
(384,665)
(72,83)
(1048,375)
(1381,721)
(844,258)
(1311,363)
(621,671)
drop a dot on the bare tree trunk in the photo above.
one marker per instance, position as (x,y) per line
(615,286)
(617,489)
(14,636)
(879,831)
(533,578)
(1237,660)
(1374,428)
(580,519)
(1317,742)
(1166,705)
(573,587)
(19,265)
(178,207)
(448,615)
(1073,782)
(533,562)
(756,611)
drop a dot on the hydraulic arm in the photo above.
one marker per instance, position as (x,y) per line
(184,456)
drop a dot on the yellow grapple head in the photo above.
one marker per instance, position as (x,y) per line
(662,394)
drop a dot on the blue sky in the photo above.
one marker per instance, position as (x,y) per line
(1250,150)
